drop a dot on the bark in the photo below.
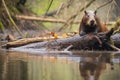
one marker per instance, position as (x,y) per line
(116,39)
(91,41)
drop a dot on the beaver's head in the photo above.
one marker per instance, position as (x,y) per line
(89,18)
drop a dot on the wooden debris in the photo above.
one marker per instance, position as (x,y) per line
(101,41)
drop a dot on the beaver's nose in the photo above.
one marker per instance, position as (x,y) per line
(92,21)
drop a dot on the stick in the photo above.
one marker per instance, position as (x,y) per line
(104,4)
(114,47)
(66,49)
(49,6)
(12,21)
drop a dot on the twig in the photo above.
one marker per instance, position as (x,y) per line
(115,3)
(66,49)
(104,4)
(49,6)
(12,21)
(57,11)
(108,14)
(60,7)
(114,47)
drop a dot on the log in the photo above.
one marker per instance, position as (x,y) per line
(53,44)
(25,41)
(116,39)
(90,41)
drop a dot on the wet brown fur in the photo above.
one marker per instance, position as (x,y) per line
(100,27)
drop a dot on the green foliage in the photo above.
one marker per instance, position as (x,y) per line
(40,6)
(13,9)
(117,24)
(2,27)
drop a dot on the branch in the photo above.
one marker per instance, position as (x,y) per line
(49,6)
(12,21)
(104,4)
(114,47)
(47,19)
(108,13)
(52,13)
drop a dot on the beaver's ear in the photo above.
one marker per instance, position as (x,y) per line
(85,12)
(95,12)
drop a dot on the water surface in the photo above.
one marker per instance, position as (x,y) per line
(28,66)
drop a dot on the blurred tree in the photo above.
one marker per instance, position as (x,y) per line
(117,8)
(21,2)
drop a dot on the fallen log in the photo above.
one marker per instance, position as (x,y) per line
(25,41)
(90,41)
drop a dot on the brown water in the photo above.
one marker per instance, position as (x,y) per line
(27,66)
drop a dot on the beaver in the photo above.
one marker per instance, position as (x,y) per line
(91,23)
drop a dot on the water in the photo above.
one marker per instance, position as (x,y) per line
(28,66)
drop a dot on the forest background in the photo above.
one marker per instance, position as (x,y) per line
(69,10)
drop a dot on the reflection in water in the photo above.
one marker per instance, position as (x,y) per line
(91,67)
(12,69)
(25,66)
